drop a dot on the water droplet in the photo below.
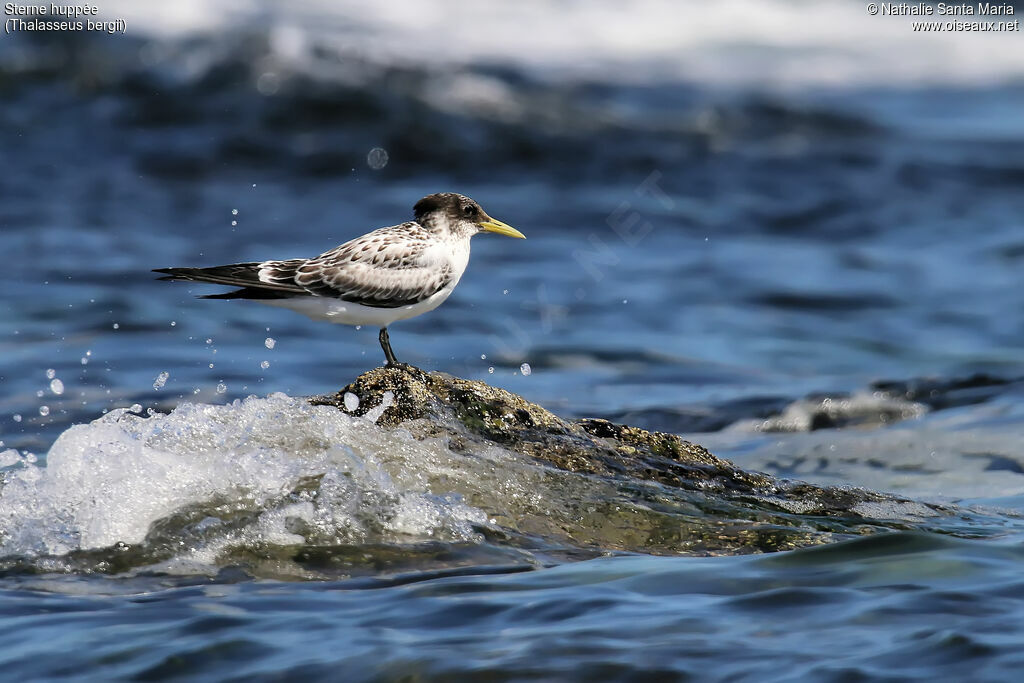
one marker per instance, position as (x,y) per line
(359,327)
(173,323)
(209,340)
(40,393)
(222,388)
(44,410)
(268,83)
(351,401)
(160,380)
(265,364)
(17,418)
(211,366)
(234,222)
(117,326)
(270,342)
(377,158)
(490,371)
(625,301)
(51,373)
(234,212)
(525,369)
(504,291)
(136,408)
(56,386)
(483,356)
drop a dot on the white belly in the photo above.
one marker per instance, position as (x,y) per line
(347,313)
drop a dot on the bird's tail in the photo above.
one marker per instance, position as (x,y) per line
(237,274)
(243,275)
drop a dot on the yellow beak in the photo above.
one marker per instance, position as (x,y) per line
(491,225)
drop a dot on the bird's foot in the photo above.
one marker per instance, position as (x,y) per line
(402,366)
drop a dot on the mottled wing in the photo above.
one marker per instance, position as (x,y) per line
(387,268)
(281,274)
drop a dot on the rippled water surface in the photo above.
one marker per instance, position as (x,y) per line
(899,607)
(799,249)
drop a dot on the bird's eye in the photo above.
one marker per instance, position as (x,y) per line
(469,210)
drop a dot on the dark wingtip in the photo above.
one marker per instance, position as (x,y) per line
(172,273)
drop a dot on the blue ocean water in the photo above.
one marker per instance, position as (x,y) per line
(862,610)
(788,248)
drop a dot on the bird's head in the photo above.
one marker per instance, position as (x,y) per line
(456,215)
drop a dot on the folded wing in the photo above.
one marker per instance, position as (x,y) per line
(386,268)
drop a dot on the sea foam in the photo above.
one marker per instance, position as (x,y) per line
(292,465)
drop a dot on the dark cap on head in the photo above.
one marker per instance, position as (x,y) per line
(443,201)
(458,215)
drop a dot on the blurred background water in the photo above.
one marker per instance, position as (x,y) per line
(758,224)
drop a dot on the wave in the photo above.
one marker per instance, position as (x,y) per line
(193,483)
(286,489)
(746,43)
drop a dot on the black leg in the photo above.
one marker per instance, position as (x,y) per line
(385,343)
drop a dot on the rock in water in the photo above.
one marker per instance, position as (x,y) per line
(474,411)
(733,510)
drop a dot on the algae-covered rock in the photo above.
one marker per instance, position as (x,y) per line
(491,414)
(698,503)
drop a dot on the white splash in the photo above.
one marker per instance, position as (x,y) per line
(9,457)
(387,400)
(108,481)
